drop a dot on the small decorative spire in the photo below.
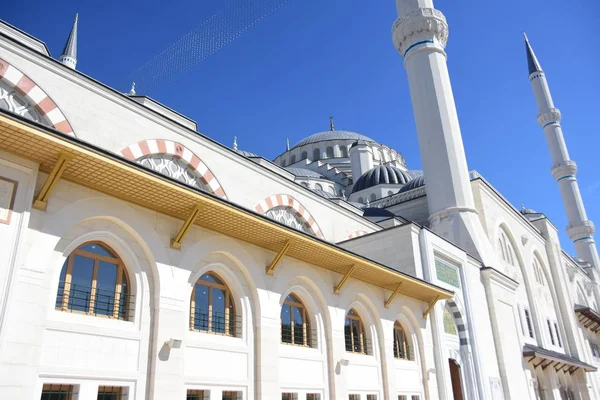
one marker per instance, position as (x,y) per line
(69,54)
(287,144)
(132,90)
(532,62)
(522,206)
(331,125)
(368,202)
(235,143)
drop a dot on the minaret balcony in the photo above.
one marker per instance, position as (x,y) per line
(549,116)
(581,230)
(425,26)
(564,169)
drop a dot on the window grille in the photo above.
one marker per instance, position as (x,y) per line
(58,392)
(354,334)
(295,324)
(528,321)
(112,393)
(557,335)
(401,347)
(212,308)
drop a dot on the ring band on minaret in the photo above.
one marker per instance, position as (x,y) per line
(420,29)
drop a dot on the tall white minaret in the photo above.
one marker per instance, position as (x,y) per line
(420,35)
(580,229)
(69,54)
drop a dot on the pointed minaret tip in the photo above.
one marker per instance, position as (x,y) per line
(235,143)
(532,62)
(69,54)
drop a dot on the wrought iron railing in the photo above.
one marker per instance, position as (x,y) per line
(78,298)
(299,337)
(217,322)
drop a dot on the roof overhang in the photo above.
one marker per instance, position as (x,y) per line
(106,172)
(589,318)
(540,357)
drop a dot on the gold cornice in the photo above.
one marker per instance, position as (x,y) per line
(111,174)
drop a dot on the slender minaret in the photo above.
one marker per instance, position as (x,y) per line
(420,35)
(580,229)
(69,54)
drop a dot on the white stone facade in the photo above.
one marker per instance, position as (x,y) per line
(522,321)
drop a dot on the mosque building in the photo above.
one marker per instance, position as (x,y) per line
(137,263)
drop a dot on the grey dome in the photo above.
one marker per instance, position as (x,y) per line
(417,182)
(332,135)
(304,172)
(382,174)
(527,211)
(246,153)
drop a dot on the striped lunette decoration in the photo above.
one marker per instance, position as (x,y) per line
(161,146)
(458,320)
(356,234)
(34,94)
(284,200)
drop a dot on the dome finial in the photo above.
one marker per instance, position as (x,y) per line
(235,143)
(132,90)
(287,144)
(331,125)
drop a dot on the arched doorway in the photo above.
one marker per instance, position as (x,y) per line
(456,381)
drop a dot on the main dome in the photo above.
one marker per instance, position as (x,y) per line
(382,174)
(332,135)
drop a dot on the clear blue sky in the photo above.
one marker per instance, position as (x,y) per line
(316,58)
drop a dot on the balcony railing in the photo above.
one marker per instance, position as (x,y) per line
(94,301)
(217,322)
(300,336)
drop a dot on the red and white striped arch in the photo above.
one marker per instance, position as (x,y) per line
(284,200)
(161,146)
(36,96)
(356,234)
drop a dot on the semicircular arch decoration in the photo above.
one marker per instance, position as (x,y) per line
(356,234)
(20,95)
(287,210)
(176,161)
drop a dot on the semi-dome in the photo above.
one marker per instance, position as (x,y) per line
(305,172)
(417,182)
(526,211)
(332,135)
(382,174)
(246,153)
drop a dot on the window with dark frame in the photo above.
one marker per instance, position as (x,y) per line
(371,397)
(595,350)
(53,391)
(232,395)
(528,321)
(354,397)
(212,307)
(550,331)
(354,333)
(313,396)
(112,393)
(557,335)
(289,396)
(93,280)
(401,348)
(194,394)
(295,324)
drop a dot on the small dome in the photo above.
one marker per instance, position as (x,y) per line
(382,174)
(417,182)
(246,153)
(332,135)
(526,211)
(305,172)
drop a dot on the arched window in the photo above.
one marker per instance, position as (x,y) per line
(283,163)
(173,167)
(212,307)
(288,216)
(401,347)
(373,197)
(505,249)
(354,333)
(93,280)
(361,200)
(329,152)
(449,325)
(293,159)
(537,269)
(295,325)
(305,184)
(304,155)
(318,186)
(344,152)
(316,154)
(390,192)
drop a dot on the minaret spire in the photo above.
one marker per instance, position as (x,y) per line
(69,54)
(580,229)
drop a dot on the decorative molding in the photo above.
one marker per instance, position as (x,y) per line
(144,148)
(581,230)
(42,103)
(551,115)
(564,169)
(524,239)
(447,273)
(421,26)
(356,234)
(284,200)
